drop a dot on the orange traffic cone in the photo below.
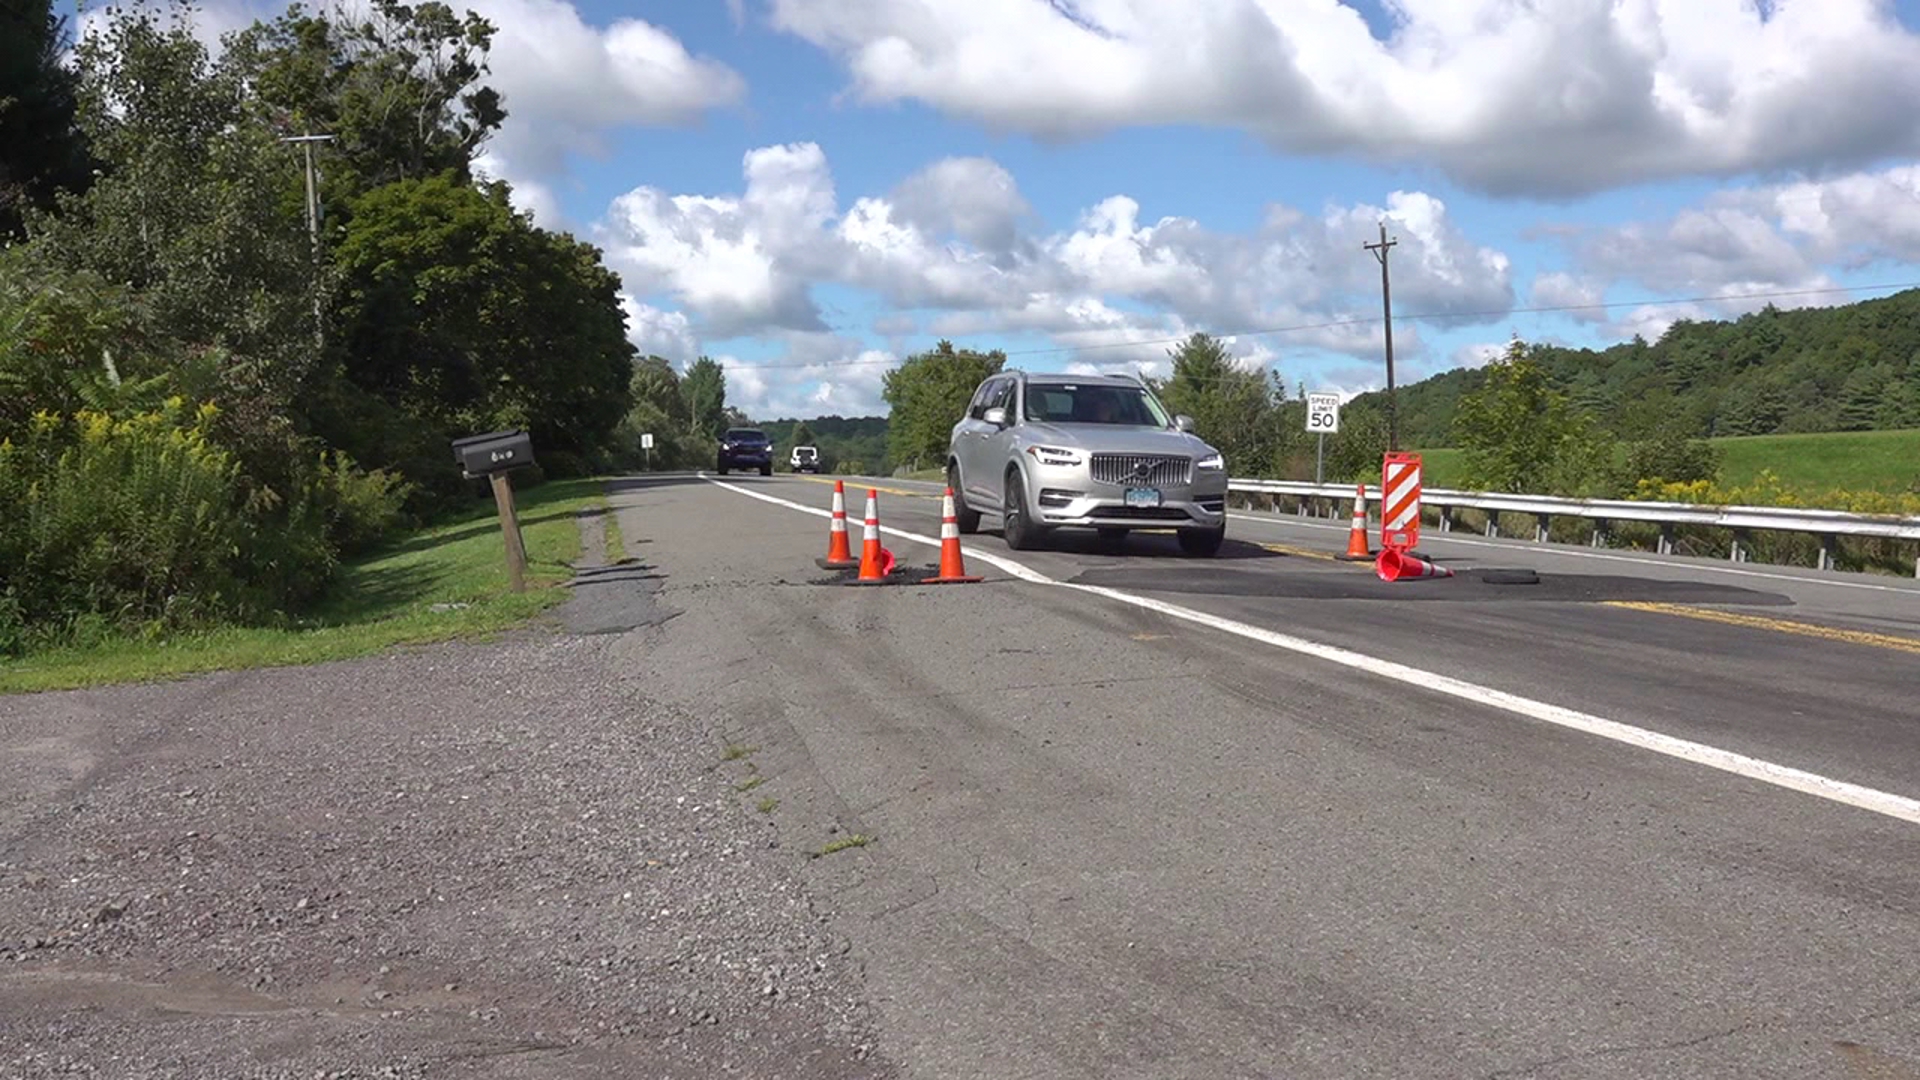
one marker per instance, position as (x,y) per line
(1396,564)
(876,562)
(953,570)
(839,555)
(1357,538)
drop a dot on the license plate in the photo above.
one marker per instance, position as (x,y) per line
(1147,497)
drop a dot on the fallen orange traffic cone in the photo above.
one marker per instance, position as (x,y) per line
(953,570)
(1357,537)
(839,556)
(1395,564)
(876,562)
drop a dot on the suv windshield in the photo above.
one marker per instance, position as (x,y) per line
(1093,403)
(745,435)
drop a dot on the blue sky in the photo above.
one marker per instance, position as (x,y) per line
(811,189)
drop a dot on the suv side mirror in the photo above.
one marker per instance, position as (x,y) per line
(1183,422)
(996,416)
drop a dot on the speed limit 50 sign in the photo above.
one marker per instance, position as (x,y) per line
(1323,413)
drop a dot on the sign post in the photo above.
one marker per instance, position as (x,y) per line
(1323,419)
(646,443)
(493,456)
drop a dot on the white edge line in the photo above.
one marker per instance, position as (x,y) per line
(1865,798)
(1568,550)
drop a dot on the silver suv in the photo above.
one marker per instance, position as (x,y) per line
(1045,451)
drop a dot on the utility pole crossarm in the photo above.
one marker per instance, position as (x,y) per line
(1386,303)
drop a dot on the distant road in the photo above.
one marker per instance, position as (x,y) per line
(1264,815)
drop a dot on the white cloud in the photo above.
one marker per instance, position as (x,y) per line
(660,333)
(1507,96)
(1476,355)
(1743,249)
(950,238)
(739,263)
(569,84)
(1559,289)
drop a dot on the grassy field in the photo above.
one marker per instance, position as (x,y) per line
(1886,461)
(387,599)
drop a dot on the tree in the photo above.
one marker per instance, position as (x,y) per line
(1232,408)
(187,217)
(1671,456)
(459,315)
(1521,435)
(703,393)
(399,89)
(44,151)
(928,394)
(802,435)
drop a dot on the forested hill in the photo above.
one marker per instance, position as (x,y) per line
(1849,368)
(853,441)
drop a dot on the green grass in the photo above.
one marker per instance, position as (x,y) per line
(749,783)
(616,543)
(1884,461)
(736,751)
(380,601)
(854,841)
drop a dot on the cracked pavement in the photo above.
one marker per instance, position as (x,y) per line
(1103,843)
(1109,845)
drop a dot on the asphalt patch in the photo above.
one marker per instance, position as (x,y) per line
(614,599)
(1466,586)
(902,575)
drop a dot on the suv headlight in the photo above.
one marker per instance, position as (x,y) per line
(1211,461)
(1054,455)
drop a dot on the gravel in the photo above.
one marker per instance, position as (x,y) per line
(494,860)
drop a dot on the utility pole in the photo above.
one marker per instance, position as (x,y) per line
(313,227)
(1386,303)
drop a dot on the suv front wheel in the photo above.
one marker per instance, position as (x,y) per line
(1018,528)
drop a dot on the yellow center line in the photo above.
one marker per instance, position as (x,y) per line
(875,487)
(1305,553)
(1780,626)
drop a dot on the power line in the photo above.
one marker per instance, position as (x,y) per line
(1438,316)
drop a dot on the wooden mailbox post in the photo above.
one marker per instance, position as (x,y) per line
(493,456)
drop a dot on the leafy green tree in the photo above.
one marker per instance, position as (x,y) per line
(928,394)
(399,88)
(1232,408)
(1355,452)
(802,435)
(44,151)
(1521,435)
(69,340)
(187,217)
(459,315)
(1671,456)
(703,392)
(1861,397)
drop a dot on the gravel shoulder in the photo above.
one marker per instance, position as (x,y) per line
(498,860)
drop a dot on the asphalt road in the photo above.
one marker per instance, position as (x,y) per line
(1189,819)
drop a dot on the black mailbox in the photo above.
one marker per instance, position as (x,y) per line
(496,451)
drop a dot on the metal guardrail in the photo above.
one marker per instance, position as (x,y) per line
(1827,524)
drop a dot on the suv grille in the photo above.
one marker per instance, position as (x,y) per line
(1161,472)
